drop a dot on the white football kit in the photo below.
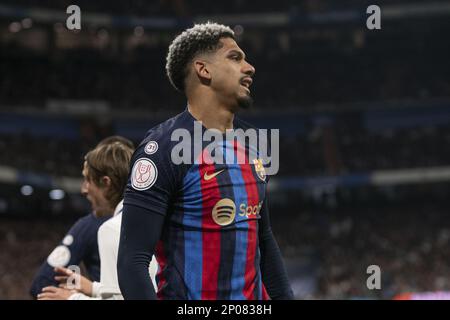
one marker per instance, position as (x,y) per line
(108,246)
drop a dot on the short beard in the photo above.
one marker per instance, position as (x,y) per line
(245,102)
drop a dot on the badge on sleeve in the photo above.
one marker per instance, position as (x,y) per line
(143,174)
(59,257)
(68,240)
(151,147)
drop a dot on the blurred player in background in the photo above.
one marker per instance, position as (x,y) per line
(106,171)
(80,243)
(208,223)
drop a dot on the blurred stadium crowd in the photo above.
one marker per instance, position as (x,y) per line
(335,245)
(348,102)
(305,66)
(319,150)
(407,240)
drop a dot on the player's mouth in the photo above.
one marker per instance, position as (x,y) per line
(246,83)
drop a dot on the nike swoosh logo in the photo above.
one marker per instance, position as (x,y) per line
(210,176)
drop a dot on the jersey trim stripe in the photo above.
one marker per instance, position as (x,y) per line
(227,236)
(210,236)
(252,200)
(193,255)
(237,282)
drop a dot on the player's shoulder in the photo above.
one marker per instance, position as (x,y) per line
(113,224)
(88,223)
(88,220)
(158,140)
(163,131)
(152,162)
(109,233)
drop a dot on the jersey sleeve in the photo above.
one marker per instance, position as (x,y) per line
(274,274)
(70,251)
(153,178)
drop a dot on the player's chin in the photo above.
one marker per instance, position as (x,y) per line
(245,101)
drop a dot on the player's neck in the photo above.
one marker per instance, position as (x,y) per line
(212,115)
(103,212)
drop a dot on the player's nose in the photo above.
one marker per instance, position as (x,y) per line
(84,188)
(249,69)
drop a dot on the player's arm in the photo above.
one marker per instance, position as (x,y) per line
(54,293)
(69,252)
(141,230)
(273,271)
(147,196)
(85,290)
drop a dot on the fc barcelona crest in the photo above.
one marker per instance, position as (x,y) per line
(259,168)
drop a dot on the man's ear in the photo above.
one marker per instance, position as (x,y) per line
(105,182)
(202,71)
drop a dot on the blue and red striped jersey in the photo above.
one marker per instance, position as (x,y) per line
(209,244)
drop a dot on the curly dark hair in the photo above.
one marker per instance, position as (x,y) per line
(191,42)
